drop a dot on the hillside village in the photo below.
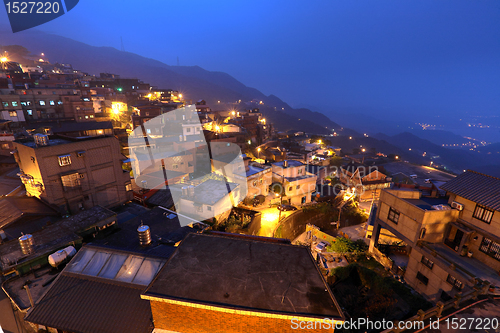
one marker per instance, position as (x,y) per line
(126,207)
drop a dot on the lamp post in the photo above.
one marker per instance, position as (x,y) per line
(258,152)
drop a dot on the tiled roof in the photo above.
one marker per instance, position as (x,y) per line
(477,187)
(12,208)
(77,303)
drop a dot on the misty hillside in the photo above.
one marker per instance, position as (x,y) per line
(193,81)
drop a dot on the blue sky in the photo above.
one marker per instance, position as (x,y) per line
(392,56)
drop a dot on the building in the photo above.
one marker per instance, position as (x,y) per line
(453,242)
(366,180)
(298,184)
(74,173)
(245,284)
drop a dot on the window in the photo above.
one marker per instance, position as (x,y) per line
(42,102)
(91,116)
(13,113)
(290,189)
(297,187)
(254,183)
(427,262)
(128,187)
(52,103)
(300,171)
(59,102)
(422,278)
(209,208)
(64,160)
(148,130)
(393,215)
(14,103)
(188,129)
(5,146)
(5,104)
(23,103)
(199,209)
(491,248)
(72,180)
(29,112)
(454,282)
(482,213)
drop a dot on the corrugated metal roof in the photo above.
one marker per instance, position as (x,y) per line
(477,187)
(77,303)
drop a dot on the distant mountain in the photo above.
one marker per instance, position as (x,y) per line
(193,81)
(439,137)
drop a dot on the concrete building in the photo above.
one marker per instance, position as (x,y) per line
(73,174)
(366,180)
(297,183)
(453,242)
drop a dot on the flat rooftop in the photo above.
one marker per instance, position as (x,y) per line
(211,191)
(422,172)
(426,203)
(246,274)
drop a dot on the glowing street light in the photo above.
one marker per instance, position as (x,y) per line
(319,141)
(363,150)
(217,128)
(258,152)
(4,59)
(180,95)
(350,138)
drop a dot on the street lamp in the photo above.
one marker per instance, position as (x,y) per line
(258,151)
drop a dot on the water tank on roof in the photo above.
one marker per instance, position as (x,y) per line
(144,235)
(56,258)
(26,242)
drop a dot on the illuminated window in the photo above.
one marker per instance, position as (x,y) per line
(427,262)
(14,103)
(393,215)
(42,102)
(52,103)
(491,248)
(5,104)
(64,160)
(482,213)
(13,113)
(128,187)
(23,103)
(454,282)
(70,181)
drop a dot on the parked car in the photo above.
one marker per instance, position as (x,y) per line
(286,208)
(321,246)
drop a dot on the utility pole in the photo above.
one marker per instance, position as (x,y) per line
(281,195)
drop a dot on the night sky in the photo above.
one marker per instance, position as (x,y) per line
(439,56)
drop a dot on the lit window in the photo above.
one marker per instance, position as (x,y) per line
(91,116)
(128,187)
(148,130)
(59,102)
(42,102)
(427,262)
(5,104)
(254,183)
(64,160)
(454,282)
(393,215)
(13,113)
(72,180)
(482,213)
(491,248)
(14,103)
(23,103)
(28,103)
(52,103)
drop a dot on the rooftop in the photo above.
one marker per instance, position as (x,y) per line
(245,274)
(107,285)
(426,203)
(56,141)
(211,191)
(291,163)
(253,169)
(13,208)
(477,187)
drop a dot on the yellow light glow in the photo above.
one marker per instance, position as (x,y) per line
(320,142)
(397,157)
(4,59)
(217,128)
(180,95)
(363,150)
(350,138)
(233,113)
(258,149)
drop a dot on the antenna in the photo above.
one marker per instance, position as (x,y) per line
(122,46)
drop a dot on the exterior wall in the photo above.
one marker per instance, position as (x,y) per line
(306,187)
(288,172)
(437,275)
(179,318)
(258,184)
(220,210)
(102,180)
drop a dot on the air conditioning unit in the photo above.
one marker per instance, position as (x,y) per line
(457,205)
